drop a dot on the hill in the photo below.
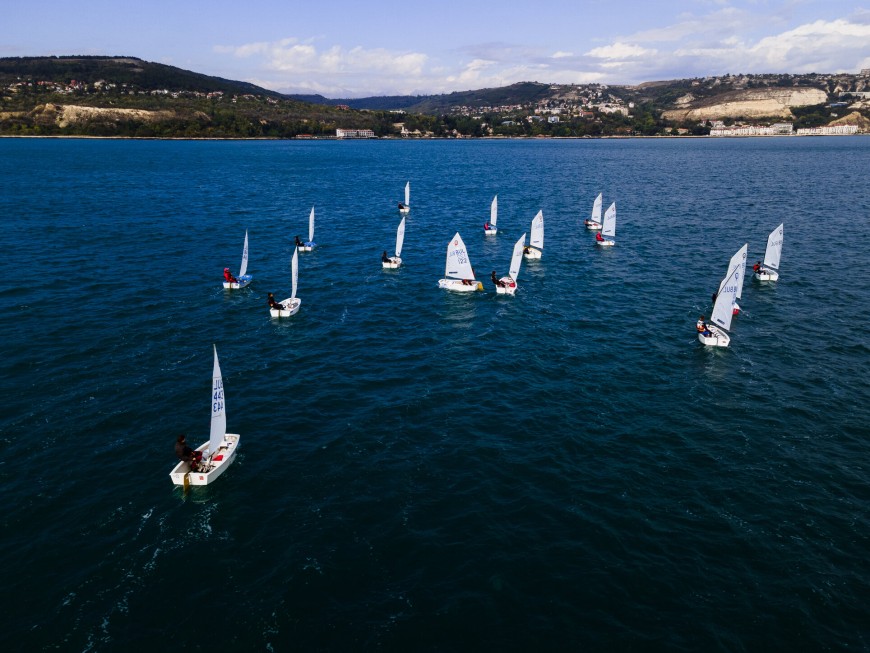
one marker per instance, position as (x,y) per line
(126,96)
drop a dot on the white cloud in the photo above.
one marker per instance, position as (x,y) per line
(620,51)
(728,39)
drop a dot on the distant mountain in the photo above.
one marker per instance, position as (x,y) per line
(520,93)
(120,70)
(374,103)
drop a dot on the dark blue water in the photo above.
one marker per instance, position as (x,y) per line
(567,469)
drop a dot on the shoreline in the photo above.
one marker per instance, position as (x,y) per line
(432,138)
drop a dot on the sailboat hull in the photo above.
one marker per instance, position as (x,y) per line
(717,337)
(492,231)
(307,247)
(291,307)
(456,285)
(767,275)
(392,264)
(405,210)
(593,226)
(220,462)
(605,243)
(243,282)
(510,287)
(532,253)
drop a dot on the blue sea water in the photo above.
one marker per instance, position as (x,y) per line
(564,470)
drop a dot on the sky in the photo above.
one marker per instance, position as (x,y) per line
(344,49)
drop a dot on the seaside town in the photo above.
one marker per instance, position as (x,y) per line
(716,106)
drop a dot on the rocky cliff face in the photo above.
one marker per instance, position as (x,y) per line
(64,115)
(749,103)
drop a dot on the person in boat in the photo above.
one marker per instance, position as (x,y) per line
(274,304)
(526,249)
(298,242)
(702,327)
(384,257)
(487,226)
(599,237)
(714,297)
(758,268)
(186,454)
(228,276)
(401,206)
(498,282)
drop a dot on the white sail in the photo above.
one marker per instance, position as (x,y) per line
(738,260)
(408,194)
(537,237)
(596,209)
(493,211)
(400,238)
(311,226)
(244,269)
(723,308)
(218,409)
(774,249)
(517,258)
(609,225)
(294,266)
(458,266)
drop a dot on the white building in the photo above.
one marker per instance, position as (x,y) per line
(354,133)
(832,130)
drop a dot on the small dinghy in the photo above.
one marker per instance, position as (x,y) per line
(219,451)
(489,228)
(405,208)
(309,244)
(535,248)
(594,222)
(769,271)
(457,270)
(716,334)
(508,285)
(608,228)
(393,262)
(244,278)
(290,306)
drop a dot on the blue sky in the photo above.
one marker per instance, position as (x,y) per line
(384,47)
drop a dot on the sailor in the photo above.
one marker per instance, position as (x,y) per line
(599,237)
(702,327)
(274,304)
(186,454)
(384,257)
(228,276)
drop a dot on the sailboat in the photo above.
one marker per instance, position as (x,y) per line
(292,303)
(535,248)
(489,228)
(594,222)
(244,278)
(406,207)
(508,285)
(219,451)
(608,227)
(457,269)
(393,262)
(739,259)
(717,333)
(309,244)
(770,270)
